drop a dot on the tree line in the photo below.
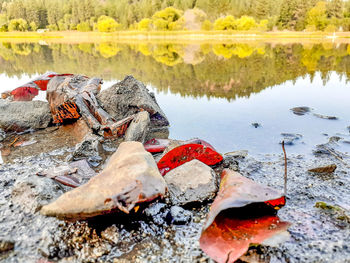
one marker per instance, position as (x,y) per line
(168,15)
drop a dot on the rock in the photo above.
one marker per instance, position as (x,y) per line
(348,128)
(157,212)
(22,115)
(237,154)
(290,138)
(89,149)
(301,110)
(324,169)
(128,97)
(2,135)
(111,235)
(138,128)
(130,177)
(6,246)
(256,125)
(325,117)
(32,192)
(179,216)
(191,182)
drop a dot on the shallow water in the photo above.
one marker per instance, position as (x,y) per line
(214,92)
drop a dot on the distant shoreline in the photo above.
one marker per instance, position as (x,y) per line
(171,36)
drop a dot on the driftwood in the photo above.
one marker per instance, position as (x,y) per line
(73,97)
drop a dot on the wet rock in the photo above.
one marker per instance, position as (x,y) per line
(129,97)
(130,177)
(2,135)
(6,246)
(237,154)
(32,192)
(325,117)
(301,110)
(111,235)
(324,169)
(89,149)
(157,212)
(22,115)
(290,138)
(138,128)
(191,182)
(256,125)
(178,216)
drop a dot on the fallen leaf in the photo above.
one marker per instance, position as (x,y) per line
(227,239)
(185,153)
(238,191)
(159,145)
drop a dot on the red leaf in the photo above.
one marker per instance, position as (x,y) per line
(227,239)
(238,191)
(159,145)
(185,153)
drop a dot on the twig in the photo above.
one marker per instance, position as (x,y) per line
(336,156)
(15,140)
(285,169)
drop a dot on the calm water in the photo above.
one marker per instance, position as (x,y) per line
(214,92)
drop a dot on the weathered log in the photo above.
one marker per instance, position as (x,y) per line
(72,97)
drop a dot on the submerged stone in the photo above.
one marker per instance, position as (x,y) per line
(130,177)
(191,182)
(301,110)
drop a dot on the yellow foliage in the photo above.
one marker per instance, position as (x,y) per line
(108,50)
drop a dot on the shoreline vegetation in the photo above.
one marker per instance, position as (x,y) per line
(219,36)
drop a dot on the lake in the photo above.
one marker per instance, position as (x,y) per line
(214,91)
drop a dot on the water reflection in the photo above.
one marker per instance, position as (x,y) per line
(214,91)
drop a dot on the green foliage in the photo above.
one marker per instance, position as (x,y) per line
(33,26)
(84,26)
(245,23)
(107,24)
(225,23)
(166,19)
(206,25)
(317,16)
(18,25)
(144,24)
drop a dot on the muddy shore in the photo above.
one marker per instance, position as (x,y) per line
(153,235)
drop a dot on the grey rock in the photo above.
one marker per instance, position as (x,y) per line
(326,117)
(129,97)
(256,125)
(157,212)
(6,245)
(290,138)
(23,115)
(237,154)
(2,135)
(179,216)
(348,128)
(111,235)
(89,149)
(301,110)
(138,128)
(32,192)
(191,182)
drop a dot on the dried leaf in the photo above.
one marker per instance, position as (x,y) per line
(238,191)
(185,153)
(227,239)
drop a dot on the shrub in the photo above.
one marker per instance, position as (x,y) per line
(107,24)
(206,25)
(144,24)
(164,18)
(246,23)
(225,23)
(330,28)
(33,26)
(84,26)
(17,25)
